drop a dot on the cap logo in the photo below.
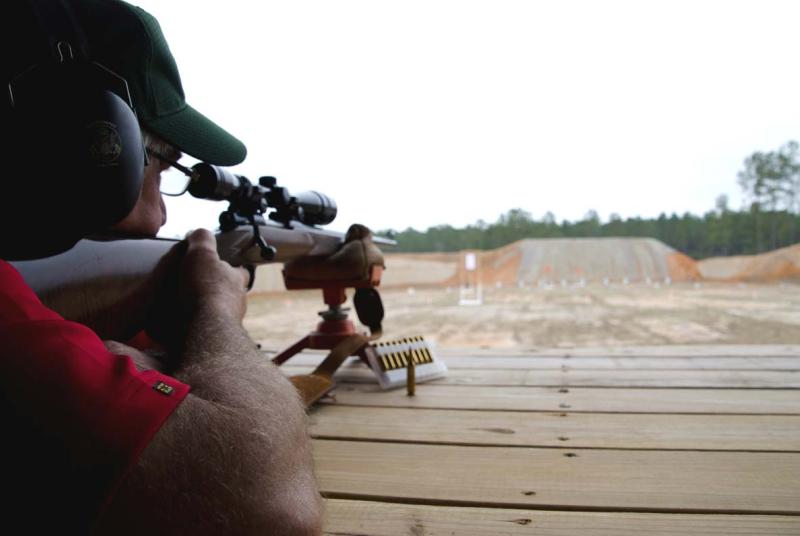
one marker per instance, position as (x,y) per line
(105,144)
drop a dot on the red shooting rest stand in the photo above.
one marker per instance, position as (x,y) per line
(335,326)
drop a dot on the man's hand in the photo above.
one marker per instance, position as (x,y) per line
(207,281)
(194,279)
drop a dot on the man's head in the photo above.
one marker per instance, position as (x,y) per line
(51,192)
(149,213)
(129,41)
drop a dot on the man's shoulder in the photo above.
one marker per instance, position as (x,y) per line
(18,301)
(9,274)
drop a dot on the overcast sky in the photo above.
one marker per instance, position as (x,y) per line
(425,112)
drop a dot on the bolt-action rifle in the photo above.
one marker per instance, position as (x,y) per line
(112,285)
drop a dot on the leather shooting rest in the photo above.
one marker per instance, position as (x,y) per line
(357,264)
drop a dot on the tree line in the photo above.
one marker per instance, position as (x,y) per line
(770,181)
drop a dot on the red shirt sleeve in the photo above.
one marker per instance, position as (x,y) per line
(62,386)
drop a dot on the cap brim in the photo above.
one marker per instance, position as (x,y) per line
(199,137)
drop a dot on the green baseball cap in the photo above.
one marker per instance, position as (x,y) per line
(129,41)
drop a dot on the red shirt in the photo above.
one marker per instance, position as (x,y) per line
(74,416)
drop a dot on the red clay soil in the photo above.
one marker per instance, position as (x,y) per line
(494,266)
(448,269)
(781,264)
(775,265)
(682,267)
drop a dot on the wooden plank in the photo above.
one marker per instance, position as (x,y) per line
(664,350)
(599,363)
(575,399)
(566,430)
(355,371)
(617,363)
(655,481)
(359,518)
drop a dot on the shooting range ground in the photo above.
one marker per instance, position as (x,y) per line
(604,387)
(566,293)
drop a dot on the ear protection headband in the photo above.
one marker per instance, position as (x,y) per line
(77,144)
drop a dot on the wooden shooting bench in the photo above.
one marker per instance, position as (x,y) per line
(671,440)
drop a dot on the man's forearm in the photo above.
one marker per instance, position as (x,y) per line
(235,456)
(223,364)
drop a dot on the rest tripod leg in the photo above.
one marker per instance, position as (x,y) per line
(284,356)
(332,330)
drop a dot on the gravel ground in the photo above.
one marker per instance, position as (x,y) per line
(559,316)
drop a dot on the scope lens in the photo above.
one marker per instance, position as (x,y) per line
(317,208)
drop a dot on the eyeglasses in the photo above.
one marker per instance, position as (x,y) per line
(176,178)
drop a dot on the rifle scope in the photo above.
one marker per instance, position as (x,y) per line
(248,199)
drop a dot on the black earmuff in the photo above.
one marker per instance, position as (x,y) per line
(77,143)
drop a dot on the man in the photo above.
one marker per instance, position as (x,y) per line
(96,438)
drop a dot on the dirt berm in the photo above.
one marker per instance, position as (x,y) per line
(781,264)
(571,260)
(543,261)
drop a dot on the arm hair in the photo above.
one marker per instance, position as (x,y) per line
(235,455)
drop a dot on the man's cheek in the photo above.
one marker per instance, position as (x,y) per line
(163,210)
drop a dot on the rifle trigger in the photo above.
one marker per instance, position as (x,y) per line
(267,252)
